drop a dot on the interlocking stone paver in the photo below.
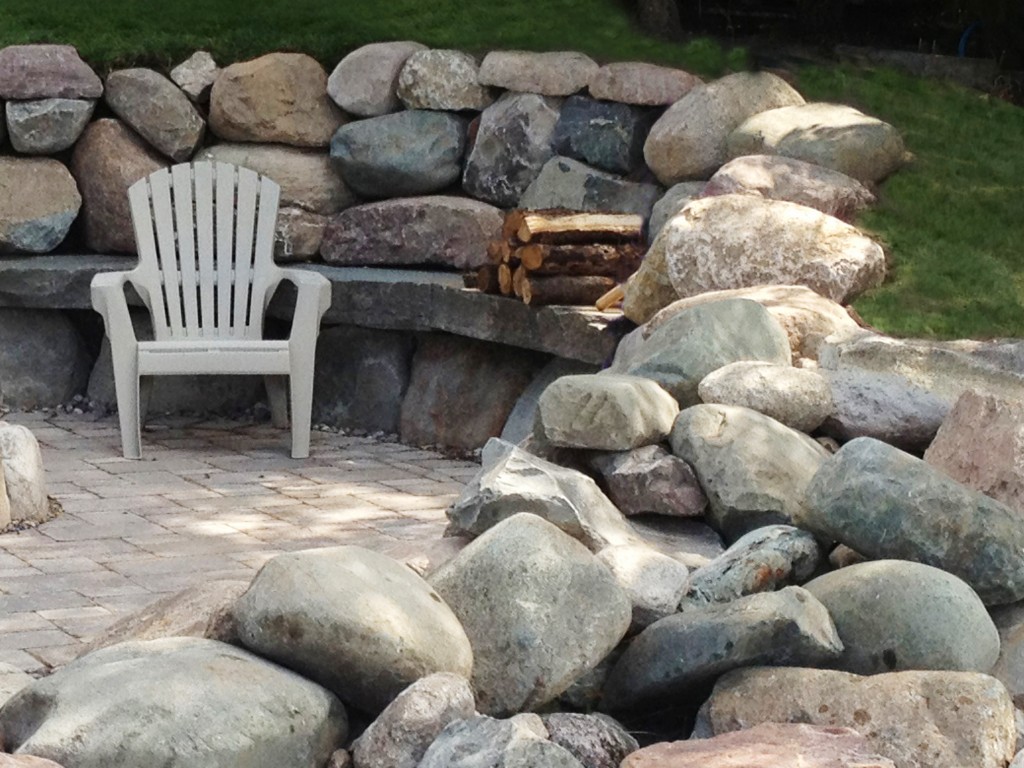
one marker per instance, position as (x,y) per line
(211,499)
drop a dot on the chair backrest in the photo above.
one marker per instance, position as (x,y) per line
(205,236)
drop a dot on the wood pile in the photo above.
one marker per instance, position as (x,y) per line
(562,257)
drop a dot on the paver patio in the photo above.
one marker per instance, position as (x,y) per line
(209,500)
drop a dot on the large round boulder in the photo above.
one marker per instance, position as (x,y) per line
(47,126)
(44,361)
(39,201)
(157,109)
(642,83)
(442,79)
(364,82)
(552,73)
(46,72)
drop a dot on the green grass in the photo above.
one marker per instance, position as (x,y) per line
(952,222)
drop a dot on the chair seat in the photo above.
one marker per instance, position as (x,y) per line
(208,356)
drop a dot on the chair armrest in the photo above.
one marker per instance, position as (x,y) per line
(107,293)
(313,299)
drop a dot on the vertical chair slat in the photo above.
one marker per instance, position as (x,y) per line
(142,221)
(245,222)
(225,245)
(184,225)
(204,243)
(163,219)
(263,258)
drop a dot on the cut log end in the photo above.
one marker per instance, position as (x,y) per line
(565,290)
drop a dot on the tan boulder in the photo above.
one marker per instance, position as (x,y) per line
(39,200)
(552,73)
(637,82)
(299,234)
(280,97)
(442,79)
(108,159)
(918,719)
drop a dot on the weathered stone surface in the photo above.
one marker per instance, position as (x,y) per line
(26,761)
(22,464)
(39,200)
(754,469)
(766,745)
(835,136)
(597,741)
(298,235)
(399,737)
(786,178)
(230,709)
(203,610)
(108,159)
(46,72)
(651,480)
(673,659)
(437,229)
(672,202)
(340,758)
(806,317)
(414,152)
(654,582)
(693,343)
(511,481)
(1009,668)
(567,183)
(513,142)
(483,742)
(280,97)
(885,406)
(43,360)
(739,241)
(441,79)
(12,680)
(637,82)
(306,177)
(885,503)
(360,378)
(611,412)
(607,135)
(47,126)
(425,555)
(689,140)
(462,391)
(365,81)
(157,110)
(196,76)
(691,542)
(539,610)
(554,73)
(763,560)
(981,444)
(797,397)
(894,615)
(5,502)
(920,719)
(360,623)
(521,420)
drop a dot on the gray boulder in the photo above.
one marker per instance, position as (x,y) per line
(689,140)
(512,144)
(12,680)
(835,136)
(597,741)
(554,73)
(651,480)
(692,344)
(401,734)
(441,79)
(46,72)
(21,463)
(47,126)
(196,75)
(692,542)
(638,82)
(800,398)
(785,178)
(43,360)
(157,110)
(511,481)
(437,230)
(607,135)
(360,623)
(178,701)
(39,201)
(414,152)
(5,502)
(298,235)
(521,420)
(894,615)
(539,609)
(674,659)
(567,183)
(611,412)
(764,560)
(885,503)
(672,202)
(654,581)
(365,81)
(754,470)
(483,742)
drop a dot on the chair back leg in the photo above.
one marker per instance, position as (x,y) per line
(277,397)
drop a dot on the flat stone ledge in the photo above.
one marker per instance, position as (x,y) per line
(391,299)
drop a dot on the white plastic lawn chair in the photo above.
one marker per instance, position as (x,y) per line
(205,237)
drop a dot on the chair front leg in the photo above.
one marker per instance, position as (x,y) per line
(126,386)
(301,384)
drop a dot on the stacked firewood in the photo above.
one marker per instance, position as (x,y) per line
(561,257)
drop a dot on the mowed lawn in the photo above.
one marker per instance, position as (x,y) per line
(952,221)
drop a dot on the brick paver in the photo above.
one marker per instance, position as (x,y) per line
(209,500)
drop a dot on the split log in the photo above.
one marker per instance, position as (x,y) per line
(487,279)
(498,251)
(581,258)
(610,299)
(513,221)
(547,227)
(504,279)
(562,289)
(518,278)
